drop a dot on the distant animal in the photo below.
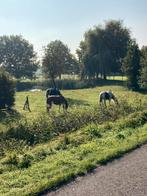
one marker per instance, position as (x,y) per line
(107,95)
(57,100)
(26,104)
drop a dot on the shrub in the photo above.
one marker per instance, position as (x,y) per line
(63,143)
(7,91)
(63,84)
(25,162)
(11,159)
(93,131)
(21,131)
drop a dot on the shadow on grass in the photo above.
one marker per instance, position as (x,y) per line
(77,102)
(143,91)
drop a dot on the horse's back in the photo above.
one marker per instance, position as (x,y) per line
(52,92)
(106,95)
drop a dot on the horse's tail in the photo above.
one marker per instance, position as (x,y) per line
(100,98)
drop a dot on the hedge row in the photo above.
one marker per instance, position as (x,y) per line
(63,84)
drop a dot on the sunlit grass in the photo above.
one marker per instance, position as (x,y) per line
(81,97)
(43,150)
(123,78)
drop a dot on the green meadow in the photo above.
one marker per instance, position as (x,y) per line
(41,151)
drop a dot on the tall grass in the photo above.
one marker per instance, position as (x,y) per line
(43,169)
(40,151)
(45,127)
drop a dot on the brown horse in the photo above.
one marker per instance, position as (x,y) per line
(57,100)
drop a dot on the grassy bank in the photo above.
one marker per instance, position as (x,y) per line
(40,152)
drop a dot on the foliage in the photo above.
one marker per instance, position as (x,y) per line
(65,145)
(7,90)
(57,60)
(103,48)
(17,56)
(65,84)
(143,71)
(67,161)
(131,66)
(25,161)
(73,66)
(45,128)
(11,159)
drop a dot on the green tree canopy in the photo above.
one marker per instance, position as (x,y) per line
(143,71)
(103,48)
(131,65)
(117,38)
(57,60)
(17,56)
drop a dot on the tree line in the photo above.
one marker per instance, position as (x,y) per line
(105,50)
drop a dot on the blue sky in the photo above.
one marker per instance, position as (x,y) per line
(42,21)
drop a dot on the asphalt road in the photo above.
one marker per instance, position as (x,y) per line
(123,177)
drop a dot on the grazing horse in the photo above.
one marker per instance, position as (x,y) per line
(107,95)
(57,100)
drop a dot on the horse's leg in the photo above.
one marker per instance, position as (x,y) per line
(109,101)
(59,107)
(50,105)
(64,107)
(101,101)
(105,102)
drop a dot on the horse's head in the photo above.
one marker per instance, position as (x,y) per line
(65,104)
(115,99)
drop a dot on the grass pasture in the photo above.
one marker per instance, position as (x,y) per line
(40,151)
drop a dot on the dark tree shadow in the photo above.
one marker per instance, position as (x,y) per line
(77,102)
(143,91)
(111,82)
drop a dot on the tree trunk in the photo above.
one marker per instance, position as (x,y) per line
(54,83)
(113,76)
(60,76)
(104,77)
(122,77)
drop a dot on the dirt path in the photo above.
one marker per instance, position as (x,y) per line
(124,177)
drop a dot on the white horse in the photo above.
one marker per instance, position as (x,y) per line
(107,95)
